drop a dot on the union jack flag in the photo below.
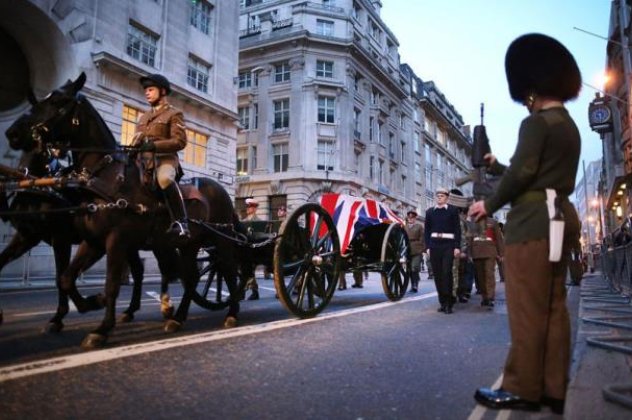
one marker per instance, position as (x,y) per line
(352,214)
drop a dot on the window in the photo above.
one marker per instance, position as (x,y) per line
(380,124)
(376,34)
(142,45)
(248,79)
(391,145)
(402,148)
(197,74)
(244,117)
(281,157)
(324,27)
(417,140)
(325,150)
(326,109)
(324,68)
(380,172)
(195,152)
(282,72)
(356,121)
(371,131)
(417,171)
(242,161)
(281,114)
(253,157)
(255,116)
(128,125)
(329,4)
(201,15)
(371,168)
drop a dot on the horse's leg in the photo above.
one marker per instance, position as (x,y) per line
(116,265)
(227,265)
(137,271)
(168,265)
(17,247)
(190,276)
(85,257)
(62,250)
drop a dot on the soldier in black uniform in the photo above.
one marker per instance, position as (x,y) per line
(443,237)
(160,134)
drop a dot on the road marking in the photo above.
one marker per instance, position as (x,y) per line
(98,356)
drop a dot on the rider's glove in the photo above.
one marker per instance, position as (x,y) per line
(147,146)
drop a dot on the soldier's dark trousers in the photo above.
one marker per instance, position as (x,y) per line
(539,357)
(441,260)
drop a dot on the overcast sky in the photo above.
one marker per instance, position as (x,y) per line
(461,45)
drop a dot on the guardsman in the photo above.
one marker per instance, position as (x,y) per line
(542,75)
(443,238)
(487,247)
(415,232)
(160,134)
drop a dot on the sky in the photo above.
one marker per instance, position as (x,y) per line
(461,46)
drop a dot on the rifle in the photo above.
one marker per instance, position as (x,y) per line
(482,187)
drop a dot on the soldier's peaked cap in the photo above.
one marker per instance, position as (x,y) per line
(541,65)
(157,80)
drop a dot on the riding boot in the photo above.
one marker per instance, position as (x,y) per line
(175,203)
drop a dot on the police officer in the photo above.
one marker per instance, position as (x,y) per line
(542,75)
(160,134)
(442,231)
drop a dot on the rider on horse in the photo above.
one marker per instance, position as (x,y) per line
(161,131)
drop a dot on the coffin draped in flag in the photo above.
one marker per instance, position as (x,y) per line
(352,214)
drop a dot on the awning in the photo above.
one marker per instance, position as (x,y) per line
(619,189)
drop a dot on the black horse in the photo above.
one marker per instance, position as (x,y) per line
(45,215)
(128,215)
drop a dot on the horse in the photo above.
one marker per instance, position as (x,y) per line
(45,215)
(128,214)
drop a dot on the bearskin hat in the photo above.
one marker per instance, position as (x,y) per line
(538,64)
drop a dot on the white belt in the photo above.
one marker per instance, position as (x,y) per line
(482,239)
(442,235)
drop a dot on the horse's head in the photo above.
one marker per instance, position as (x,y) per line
(36,128)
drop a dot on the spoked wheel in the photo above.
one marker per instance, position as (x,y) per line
(395,260)
(307,261)
(212,291)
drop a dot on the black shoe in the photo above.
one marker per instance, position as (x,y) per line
(254,295)
(501,399)
(442,308)
(488,303)
(357,286)
(448,310)
(556,405)
(463,299)
(413,290)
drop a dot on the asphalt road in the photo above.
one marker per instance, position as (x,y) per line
(362,358)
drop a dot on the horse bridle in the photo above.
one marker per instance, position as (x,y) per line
(41,128)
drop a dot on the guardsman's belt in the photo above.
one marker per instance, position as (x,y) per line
(438,235)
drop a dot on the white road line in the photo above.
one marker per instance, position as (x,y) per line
(66,362)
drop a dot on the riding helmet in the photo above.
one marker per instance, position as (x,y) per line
(537,64)
(156,80)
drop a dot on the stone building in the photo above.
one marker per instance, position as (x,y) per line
(193,43)
(325,105)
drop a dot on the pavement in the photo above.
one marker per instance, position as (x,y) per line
(601,371)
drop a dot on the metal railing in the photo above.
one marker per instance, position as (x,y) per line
(617,268)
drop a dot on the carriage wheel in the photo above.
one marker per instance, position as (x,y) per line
(212,291)
(307,261)
(395,262)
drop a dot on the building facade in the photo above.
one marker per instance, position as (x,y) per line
(588,206)
(325,105)
(193,43)
(613,125)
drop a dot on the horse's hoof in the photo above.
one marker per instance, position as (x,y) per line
(172,326)
(230,322)
(167,313)
(53,327)
(126,317)
(93,341)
